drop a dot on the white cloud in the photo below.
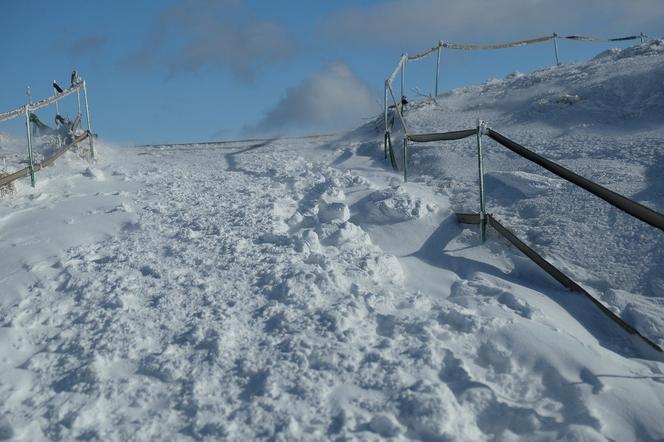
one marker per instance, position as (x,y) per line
(190,35)
(331,99)
(416,21)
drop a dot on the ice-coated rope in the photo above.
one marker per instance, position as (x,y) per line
(514,44)
(39,104)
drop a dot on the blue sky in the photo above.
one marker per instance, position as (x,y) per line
(200,70)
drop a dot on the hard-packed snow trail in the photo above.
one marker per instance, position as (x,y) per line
(291,290)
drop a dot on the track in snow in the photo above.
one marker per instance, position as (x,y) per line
(235,303)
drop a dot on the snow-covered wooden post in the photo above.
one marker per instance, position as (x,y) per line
(437,67)
(31,167)
(87,119)
(555,47)
(481,128)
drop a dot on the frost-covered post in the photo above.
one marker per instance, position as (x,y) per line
(481,128)
(385,111)
(555,47)
(55,92)
(30,163)
(437,67)
(78,100)
(87,119)
(405,156)
(642,35)
(403,74)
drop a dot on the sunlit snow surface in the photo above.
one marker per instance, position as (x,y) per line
(298,290)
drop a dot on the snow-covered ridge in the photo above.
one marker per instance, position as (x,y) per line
(298,290)
(618,87)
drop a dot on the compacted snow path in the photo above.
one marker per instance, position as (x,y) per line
(298,290)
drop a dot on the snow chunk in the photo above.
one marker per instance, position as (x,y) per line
(349,233)
(395,205)
(433,413)
(384,426)
(333,212)
(384,268)
(94,173)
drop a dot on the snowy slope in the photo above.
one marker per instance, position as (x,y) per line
(297,290)
(603,120)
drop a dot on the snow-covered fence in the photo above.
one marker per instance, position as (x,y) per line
(400,70)
(483,218)
(629,206)
(37,166)
(566,281)
(623,203)
(77,85)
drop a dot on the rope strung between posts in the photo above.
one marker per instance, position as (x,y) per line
(402,60)
(587,38)
(570,284)
(514,44)
(39,104)
(47,162)
(65,129)
(12,114)
(443,136)
(399,104)
(623,203)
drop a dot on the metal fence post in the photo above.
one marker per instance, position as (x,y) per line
(55,92)
(555,47)
(385,109)
(87,118)
(481,125)
(437,69)
(30,163)
(405,157)
(403,73)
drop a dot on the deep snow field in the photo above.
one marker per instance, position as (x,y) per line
(299,290)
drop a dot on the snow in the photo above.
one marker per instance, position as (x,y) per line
(298,290)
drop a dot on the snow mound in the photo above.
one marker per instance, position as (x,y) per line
(394,204)
(333,212)
(520,184)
